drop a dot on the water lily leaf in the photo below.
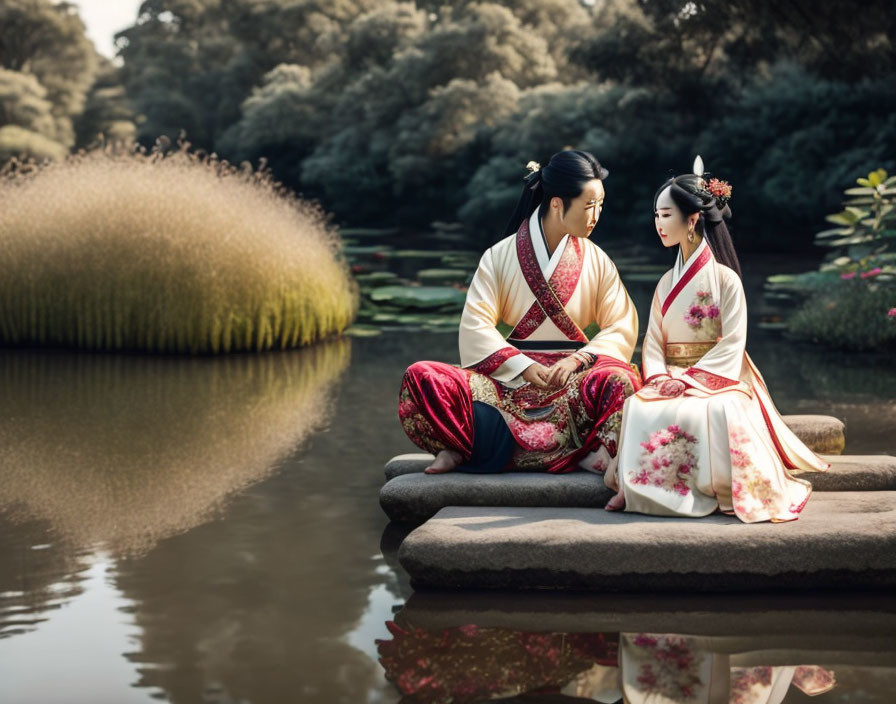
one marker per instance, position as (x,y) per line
(357,330)
(422,297)
(442,276)
(376,278)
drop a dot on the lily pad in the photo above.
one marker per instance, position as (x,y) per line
(419,297)
(362,331)
(417,254)
(377,278)
(435,277)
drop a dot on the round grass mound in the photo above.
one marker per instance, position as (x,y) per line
(177,253)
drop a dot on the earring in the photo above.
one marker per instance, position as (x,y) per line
(690,235)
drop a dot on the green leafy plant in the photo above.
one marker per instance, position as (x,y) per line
(854,309)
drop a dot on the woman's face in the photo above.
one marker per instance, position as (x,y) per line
(584,211)
(672,225)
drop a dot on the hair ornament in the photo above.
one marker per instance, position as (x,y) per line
(533,178)
(721,190)
(698,166)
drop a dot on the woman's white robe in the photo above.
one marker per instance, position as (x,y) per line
(722,444)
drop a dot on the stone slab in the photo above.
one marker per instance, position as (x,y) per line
(822,434)
(855,473)
(416,497)
(842,540)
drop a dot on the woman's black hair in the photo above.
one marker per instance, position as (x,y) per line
(690,194)
(564,177)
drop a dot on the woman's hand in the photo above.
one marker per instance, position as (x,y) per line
(670,387)
(537,375)
(561,371)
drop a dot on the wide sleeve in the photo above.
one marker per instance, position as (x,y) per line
(614,313)
(720,368)
(653,349)
(482,348)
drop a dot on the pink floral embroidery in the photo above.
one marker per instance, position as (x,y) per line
(667,461)
(752,493)
(813,679)
(537,436)
(702,316)
(669,666)
(744,679)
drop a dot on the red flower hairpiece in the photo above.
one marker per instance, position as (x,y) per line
(720,189)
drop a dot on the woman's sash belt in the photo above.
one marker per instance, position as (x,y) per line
(686,354)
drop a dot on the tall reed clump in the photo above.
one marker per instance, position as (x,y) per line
(120,249)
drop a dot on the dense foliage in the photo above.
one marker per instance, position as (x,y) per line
(406,112)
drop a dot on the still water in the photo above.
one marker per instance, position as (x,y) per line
(207,530)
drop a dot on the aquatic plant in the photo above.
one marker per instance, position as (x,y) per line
(164,251)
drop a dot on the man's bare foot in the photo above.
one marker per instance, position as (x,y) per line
(445,461)
(617,503)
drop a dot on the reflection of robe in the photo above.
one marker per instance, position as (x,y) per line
(549,301)
(673,669)
(722,444)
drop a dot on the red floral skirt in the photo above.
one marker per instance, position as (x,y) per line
(553,428)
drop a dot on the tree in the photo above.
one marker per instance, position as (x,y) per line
(47,41)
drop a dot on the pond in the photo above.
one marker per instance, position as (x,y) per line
(207,530)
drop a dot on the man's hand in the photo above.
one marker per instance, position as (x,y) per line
(561,371)
(537,375)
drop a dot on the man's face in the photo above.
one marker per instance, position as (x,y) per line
(583,212)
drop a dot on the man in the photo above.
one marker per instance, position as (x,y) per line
(546,397)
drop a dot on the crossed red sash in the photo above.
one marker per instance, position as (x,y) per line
(698,264)
(550,296)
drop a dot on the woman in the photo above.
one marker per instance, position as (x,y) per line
(546,397)
(703,434)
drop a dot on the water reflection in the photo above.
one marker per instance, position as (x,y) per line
(119,452)
(124,451)
(756,649)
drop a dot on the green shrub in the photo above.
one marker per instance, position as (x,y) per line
(123,250)
(851,315)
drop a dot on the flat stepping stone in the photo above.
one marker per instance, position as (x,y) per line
(855,473)
(841,540)
(415,497)
(822,434)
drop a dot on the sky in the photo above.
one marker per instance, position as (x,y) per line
(105,17)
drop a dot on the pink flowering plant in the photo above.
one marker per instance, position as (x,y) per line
(846,301)
(667,461)
(702,316)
